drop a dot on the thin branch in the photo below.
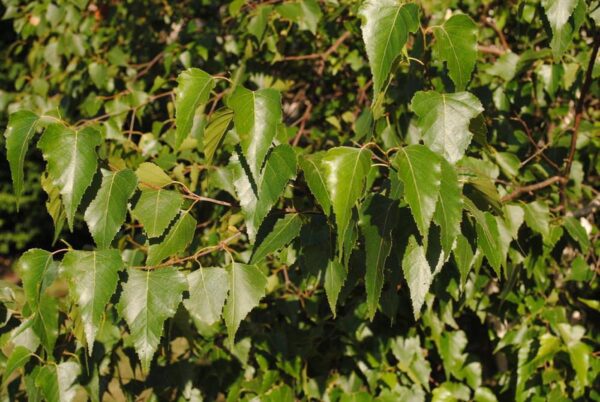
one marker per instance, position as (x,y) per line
(322,55)
(579,108)
(539,150)
(202,252)
(495,50)
(532,187)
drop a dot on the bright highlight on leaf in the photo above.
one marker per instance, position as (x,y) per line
(444,121)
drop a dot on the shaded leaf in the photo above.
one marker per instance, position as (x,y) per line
(246,287)
(54,205)
(378,218)
(148,299)
(537,217)
(335,276)
(558,13)
(578,233)
(345,170)
(421,172)
(19,356)
(208,290)
(448,211)
(256,116)
(93,277)
(313,174)
(214,132)
(178,237)
(257,199)
(106,213)
(57,382)
(284,231)
(38,270)
(156,209)
(464,257)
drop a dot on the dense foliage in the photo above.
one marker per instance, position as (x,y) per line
(300,200)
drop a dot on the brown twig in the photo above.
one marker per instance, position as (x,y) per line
(495,50)
(303,120)
(323,55)
(539,150)
(579,107)
(492,24)
(200,253)
(532,187)
(148,66)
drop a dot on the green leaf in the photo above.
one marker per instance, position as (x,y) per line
(456,44)
(417,274)
(345,170)
(444,121)
(464,257)
(335,276)
(378,218)
(448,211)
(175,241)
(54,205)
(45,322)
(256,115)
(156,209)
(193,89)
(284,231)
(208,290)
(488,239)
(19,356)
(279,169)
(385,28)
(306,13)
(21,128)
(578,233)
(313,174)
(72,162)
(38,270)
(537,217)
(148,299)
(258,23)
(421,172)
(558,13)
(246,287)
(57,382)
(214,132)
(151,176)
(106,213)
(514,215)
(93,277)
